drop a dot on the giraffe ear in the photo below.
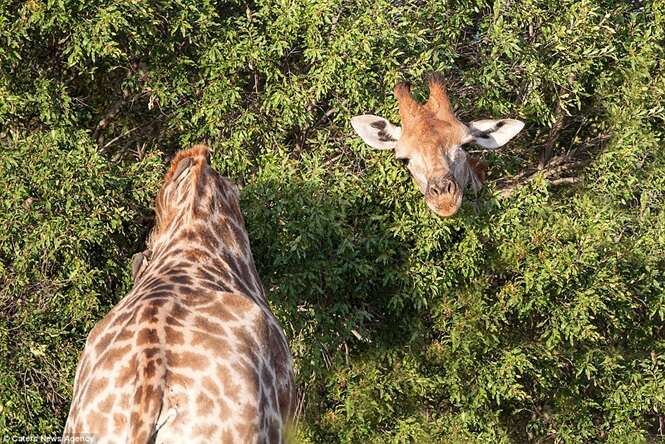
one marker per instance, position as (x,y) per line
(376,131)
(492,134)
(467,170)
(139,261)
(137,264)
(478,173)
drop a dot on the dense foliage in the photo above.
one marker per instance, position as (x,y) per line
(534,317)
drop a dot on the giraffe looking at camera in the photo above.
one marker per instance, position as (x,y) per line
(431,141)
(193,352)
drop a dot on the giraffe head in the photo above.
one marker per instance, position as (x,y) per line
(430,143)
(193,193)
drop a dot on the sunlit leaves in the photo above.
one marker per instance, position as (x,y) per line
(533,318)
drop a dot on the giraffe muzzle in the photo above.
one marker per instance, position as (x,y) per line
(443,195)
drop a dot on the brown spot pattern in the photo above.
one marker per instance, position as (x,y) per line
(187,334)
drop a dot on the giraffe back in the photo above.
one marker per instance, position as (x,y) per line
(193,352)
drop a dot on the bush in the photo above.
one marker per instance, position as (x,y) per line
(534,317)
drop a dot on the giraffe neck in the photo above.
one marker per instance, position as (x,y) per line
(216,259)
(200,232)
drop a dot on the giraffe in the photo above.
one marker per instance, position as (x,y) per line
(192,353)
(431,144)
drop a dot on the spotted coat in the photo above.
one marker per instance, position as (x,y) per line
(193,352)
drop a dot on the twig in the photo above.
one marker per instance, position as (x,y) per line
(303,138)
(557,165)
(115,139)
(108,117)
(300,406)
(548,147)
(154,121)
(565,180)
(329,161)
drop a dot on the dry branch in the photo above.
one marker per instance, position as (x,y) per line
(106,119)
(557,166)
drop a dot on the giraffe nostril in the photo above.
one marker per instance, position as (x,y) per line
(441,187)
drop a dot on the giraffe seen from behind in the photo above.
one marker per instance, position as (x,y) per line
(431,142)
(193,353)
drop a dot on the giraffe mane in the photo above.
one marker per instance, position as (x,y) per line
(163,215)
(195,151)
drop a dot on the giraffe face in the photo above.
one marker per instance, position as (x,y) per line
(430,144)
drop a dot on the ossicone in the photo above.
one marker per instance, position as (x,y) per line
(438,101)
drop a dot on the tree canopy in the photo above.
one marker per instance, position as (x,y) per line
(536,314)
